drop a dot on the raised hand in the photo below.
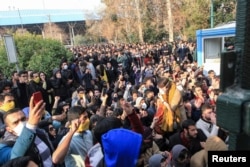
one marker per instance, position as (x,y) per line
(36,111)
(127,107)
(57,98)
(74,125)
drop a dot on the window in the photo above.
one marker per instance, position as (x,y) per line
(212,48)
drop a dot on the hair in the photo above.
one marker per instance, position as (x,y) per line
(117,112)
(22,72)
(42,72)
(3,95)
(205,106)
(104,125)
(11,111)
(32,73)
(63,60)
(163,82)
(187,123)
(147,91)
(13,72)
(146,79)
(94,119)
(79,89)
(5,83)
(196,85)
(75,112)
(210,71)
(184,154)
(19,162)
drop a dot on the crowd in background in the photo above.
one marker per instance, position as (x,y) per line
(128,105)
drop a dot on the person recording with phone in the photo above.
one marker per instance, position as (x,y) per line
(23,138)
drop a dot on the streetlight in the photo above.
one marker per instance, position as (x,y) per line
(11,49)
(212,14)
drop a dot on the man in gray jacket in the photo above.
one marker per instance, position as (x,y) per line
(207,122)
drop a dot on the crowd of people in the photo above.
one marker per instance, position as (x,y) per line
(113,105)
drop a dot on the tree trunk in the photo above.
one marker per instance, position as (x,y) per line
(137,4)
(170,21)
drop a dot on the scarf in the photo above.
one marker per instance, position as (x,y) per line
(167,118)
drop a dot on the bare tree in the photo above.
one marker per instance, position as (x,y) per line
(170,21)
(139,22)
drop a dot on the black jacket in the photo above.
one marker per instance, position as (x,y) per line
(192,145)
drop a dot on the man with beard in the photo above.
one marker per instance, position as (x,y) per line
(190,137)
(207,122)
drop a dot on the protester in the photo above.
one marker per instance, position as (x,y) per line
(148,89)
(23,138)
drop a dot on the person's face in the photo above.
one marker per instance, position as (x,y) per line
(204,85)
(58,74)
(52,130)
(198,91)
(148,83)
(13,120)
(206,115)
(97,93)
(35,75)
(142,88)
(42,76)
(8,99)
(211,75)
(15,76)
(109,65)
(23,78)
(109,113)
(150,95)
(134,96)
(81,94)
(192,132)
(7,89)
(83,117)
(64,64)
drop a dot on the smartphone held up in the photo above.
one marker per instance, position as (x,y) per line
(37,96)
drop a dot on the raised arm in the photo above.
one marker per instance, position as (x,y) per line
(62,149)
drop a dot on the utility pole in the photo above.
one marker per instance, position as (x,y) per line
(212,13)
(21,21)
(138,13)
(170,21)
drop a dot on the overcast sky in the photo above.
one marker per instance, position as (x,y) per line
(49,4)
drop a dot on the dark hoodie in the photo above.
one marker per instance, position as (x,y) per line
(176,151)
(59,86)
